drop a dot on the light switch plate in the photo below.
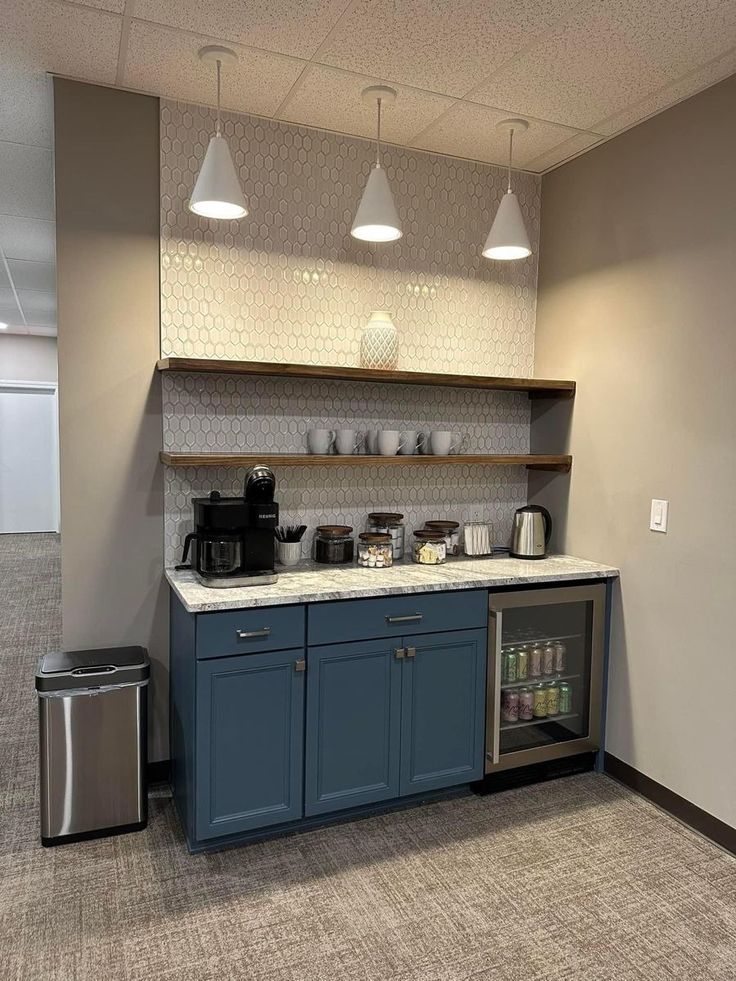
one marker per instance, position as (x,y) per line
(658,516)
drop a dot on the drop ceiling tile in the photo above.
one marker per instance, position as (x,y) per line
(117,6)
(27,185)
(469,130)
(26,106)
(345,111)
(33,275)
(48,36)
(696,81)
(275,25)
(444,47)
(39,308)
(4,281)
(165,62)
(9,312)
(590,68)
(28,238)
(557,155)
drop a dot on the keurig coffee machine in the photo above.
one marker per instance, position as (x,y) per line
(234,542)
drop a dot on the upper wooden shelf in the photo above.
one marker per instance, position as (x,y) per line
(536,387)
(532,461)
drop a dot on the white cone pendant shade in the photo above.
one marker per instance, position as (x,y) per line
(377,219)
(217,193)
(507,238)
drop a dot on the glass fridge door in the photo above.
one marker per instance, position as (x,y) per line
(545,674)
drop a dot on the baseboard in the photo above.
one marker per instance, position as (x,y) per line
(684,810)
(158,772)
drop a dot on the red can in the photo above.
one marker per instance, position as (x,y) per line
(526,705)
(510,706)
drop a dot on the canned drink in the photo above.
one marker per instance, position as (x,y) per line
(522,664)
(553,700)
(560,657)
(510,666)
(510,706)
(548,660)
(535,662)
(526,705)
(565,698)
(539,708)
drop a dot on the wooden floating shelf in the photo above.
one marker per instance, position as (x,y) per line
(532,461)
(535,387)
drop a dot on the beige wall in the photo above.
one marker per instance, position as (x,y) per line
(26,357)
(637,301)
(107,222)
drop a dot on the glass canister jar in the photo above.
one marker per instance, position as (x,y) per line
(451,531)
(333,544)
(429,547)
(375,550)
(389,523)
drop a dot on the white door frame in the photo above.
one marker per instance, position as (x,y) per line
(41,386)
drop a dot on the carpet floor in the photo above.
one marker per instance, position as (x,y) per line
(573,880)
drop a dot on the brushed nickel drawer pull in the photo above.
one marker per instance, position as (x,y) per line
(411,618)
(399,652)
(411,652)
(300,665)
(251,634)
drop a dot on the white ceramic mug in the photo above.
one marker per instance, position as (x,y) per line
(408,443)
(423,443)
(389,442)
(371,441)
(320,440)
(289,552)
(440,442)
(347,441)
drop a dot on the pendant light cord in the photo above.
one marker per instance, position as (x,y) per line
(511,144)
(378,137)
(219,63)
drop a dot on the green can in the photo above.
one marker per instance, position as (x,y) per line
(522,664)
(510,667)
(565,698)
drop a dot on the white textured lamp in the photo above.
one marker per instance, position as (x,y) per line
(507,238)
(217,192)
(377,219)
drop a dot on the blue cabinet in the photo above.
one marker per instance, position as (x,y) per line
(353,723)
(249,743)
(443,710)
(394,717)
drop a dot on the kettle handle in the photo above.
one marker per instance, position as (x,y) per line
(547,518)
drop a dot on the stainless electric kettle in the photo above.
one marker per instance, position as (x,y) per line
(531,532)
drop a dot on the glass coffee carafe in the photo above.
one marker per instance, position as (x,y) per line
(217,554)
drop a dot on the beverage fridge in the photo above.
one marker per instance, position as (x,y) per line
(545,674)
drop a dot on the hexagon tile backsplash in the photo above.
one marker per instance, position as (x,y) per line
(289,283)
(226,413)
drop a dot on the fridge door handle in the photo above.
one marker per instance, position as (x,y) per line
(493,730)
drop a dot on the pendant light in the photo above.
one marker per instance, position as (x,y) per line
(217,192)
(377,219)
(507,238)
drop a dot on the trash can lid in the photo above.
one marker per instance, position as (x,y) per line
(62,670)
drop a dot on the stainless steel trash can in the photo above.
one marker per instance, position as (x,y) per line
(93,737)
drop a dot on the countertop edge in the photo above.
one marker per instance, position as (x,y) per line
(367,591)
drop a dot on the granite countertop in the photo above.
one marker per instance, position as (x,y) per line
(312,583)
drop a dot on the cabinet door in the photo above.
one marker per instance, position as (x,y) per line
(442,716)
(250,730)
(353,712)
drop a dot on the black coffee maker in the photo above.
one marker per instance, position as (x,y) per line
(234,542)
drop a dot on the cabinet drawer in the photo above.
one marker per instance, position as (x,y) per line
(394,616)
(272,628)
